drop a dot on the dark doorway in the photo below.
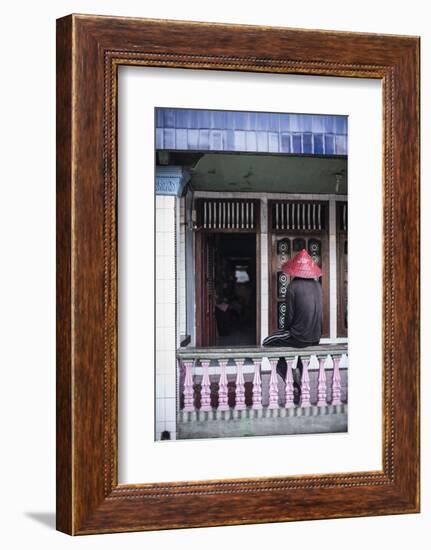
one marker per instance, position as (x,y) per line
(227,272)
(235,289)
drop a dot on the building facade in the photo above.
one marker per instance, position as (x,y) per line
(237,194)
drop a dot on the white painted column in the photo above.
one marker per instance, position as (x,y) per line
(180,269)
(332,269)
(264,258)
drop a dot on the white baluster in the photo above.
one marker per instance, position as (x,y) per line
(205,387)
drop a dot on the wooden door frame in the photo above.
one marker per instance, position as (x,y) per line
(199,285)
(342,236)
(258,285)
(199,280)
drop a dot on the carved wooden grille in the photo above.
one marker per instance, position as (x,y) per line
(227,214)
(298,216)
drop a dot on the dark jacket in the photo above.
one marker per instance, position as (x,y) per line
(304,313)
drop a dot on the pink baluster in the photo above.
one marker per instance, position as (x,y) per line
(205,387)
(336,382)
(273,385)
(321,383)
(305,384)
(343,364)
(222,387)
(189,405)
(289,384)
(257,386)
(239,388)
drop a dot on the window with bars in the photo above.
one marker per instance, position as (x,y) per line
(298,216)
(227,214)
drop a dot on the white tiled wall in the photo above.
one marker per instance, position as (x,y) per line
(165,315)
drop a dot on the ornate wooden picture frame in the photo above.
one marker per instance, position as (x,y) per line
(89,51)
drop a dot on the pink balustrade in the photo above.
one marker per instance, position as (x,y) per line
(239,388)
(273,385)
(289,394)
(257,386)
(305,384)
(336,382)
(222,387)
(240,374)
(206,387)
(321,383)
(188,387)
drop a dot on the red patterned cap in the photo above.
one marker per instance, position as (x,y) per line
(302,265)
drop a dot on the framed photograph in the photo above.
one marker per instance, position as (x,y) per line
(237,274)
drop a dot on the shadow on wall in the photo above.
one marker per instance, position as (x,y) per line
(45,518)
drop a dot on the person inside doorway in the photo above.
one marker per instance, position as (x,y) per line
(304,311)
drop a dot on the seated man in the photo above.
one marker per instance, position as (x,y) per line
(303,326)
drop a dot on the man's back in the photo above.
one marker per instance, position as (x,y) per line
(304,310)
